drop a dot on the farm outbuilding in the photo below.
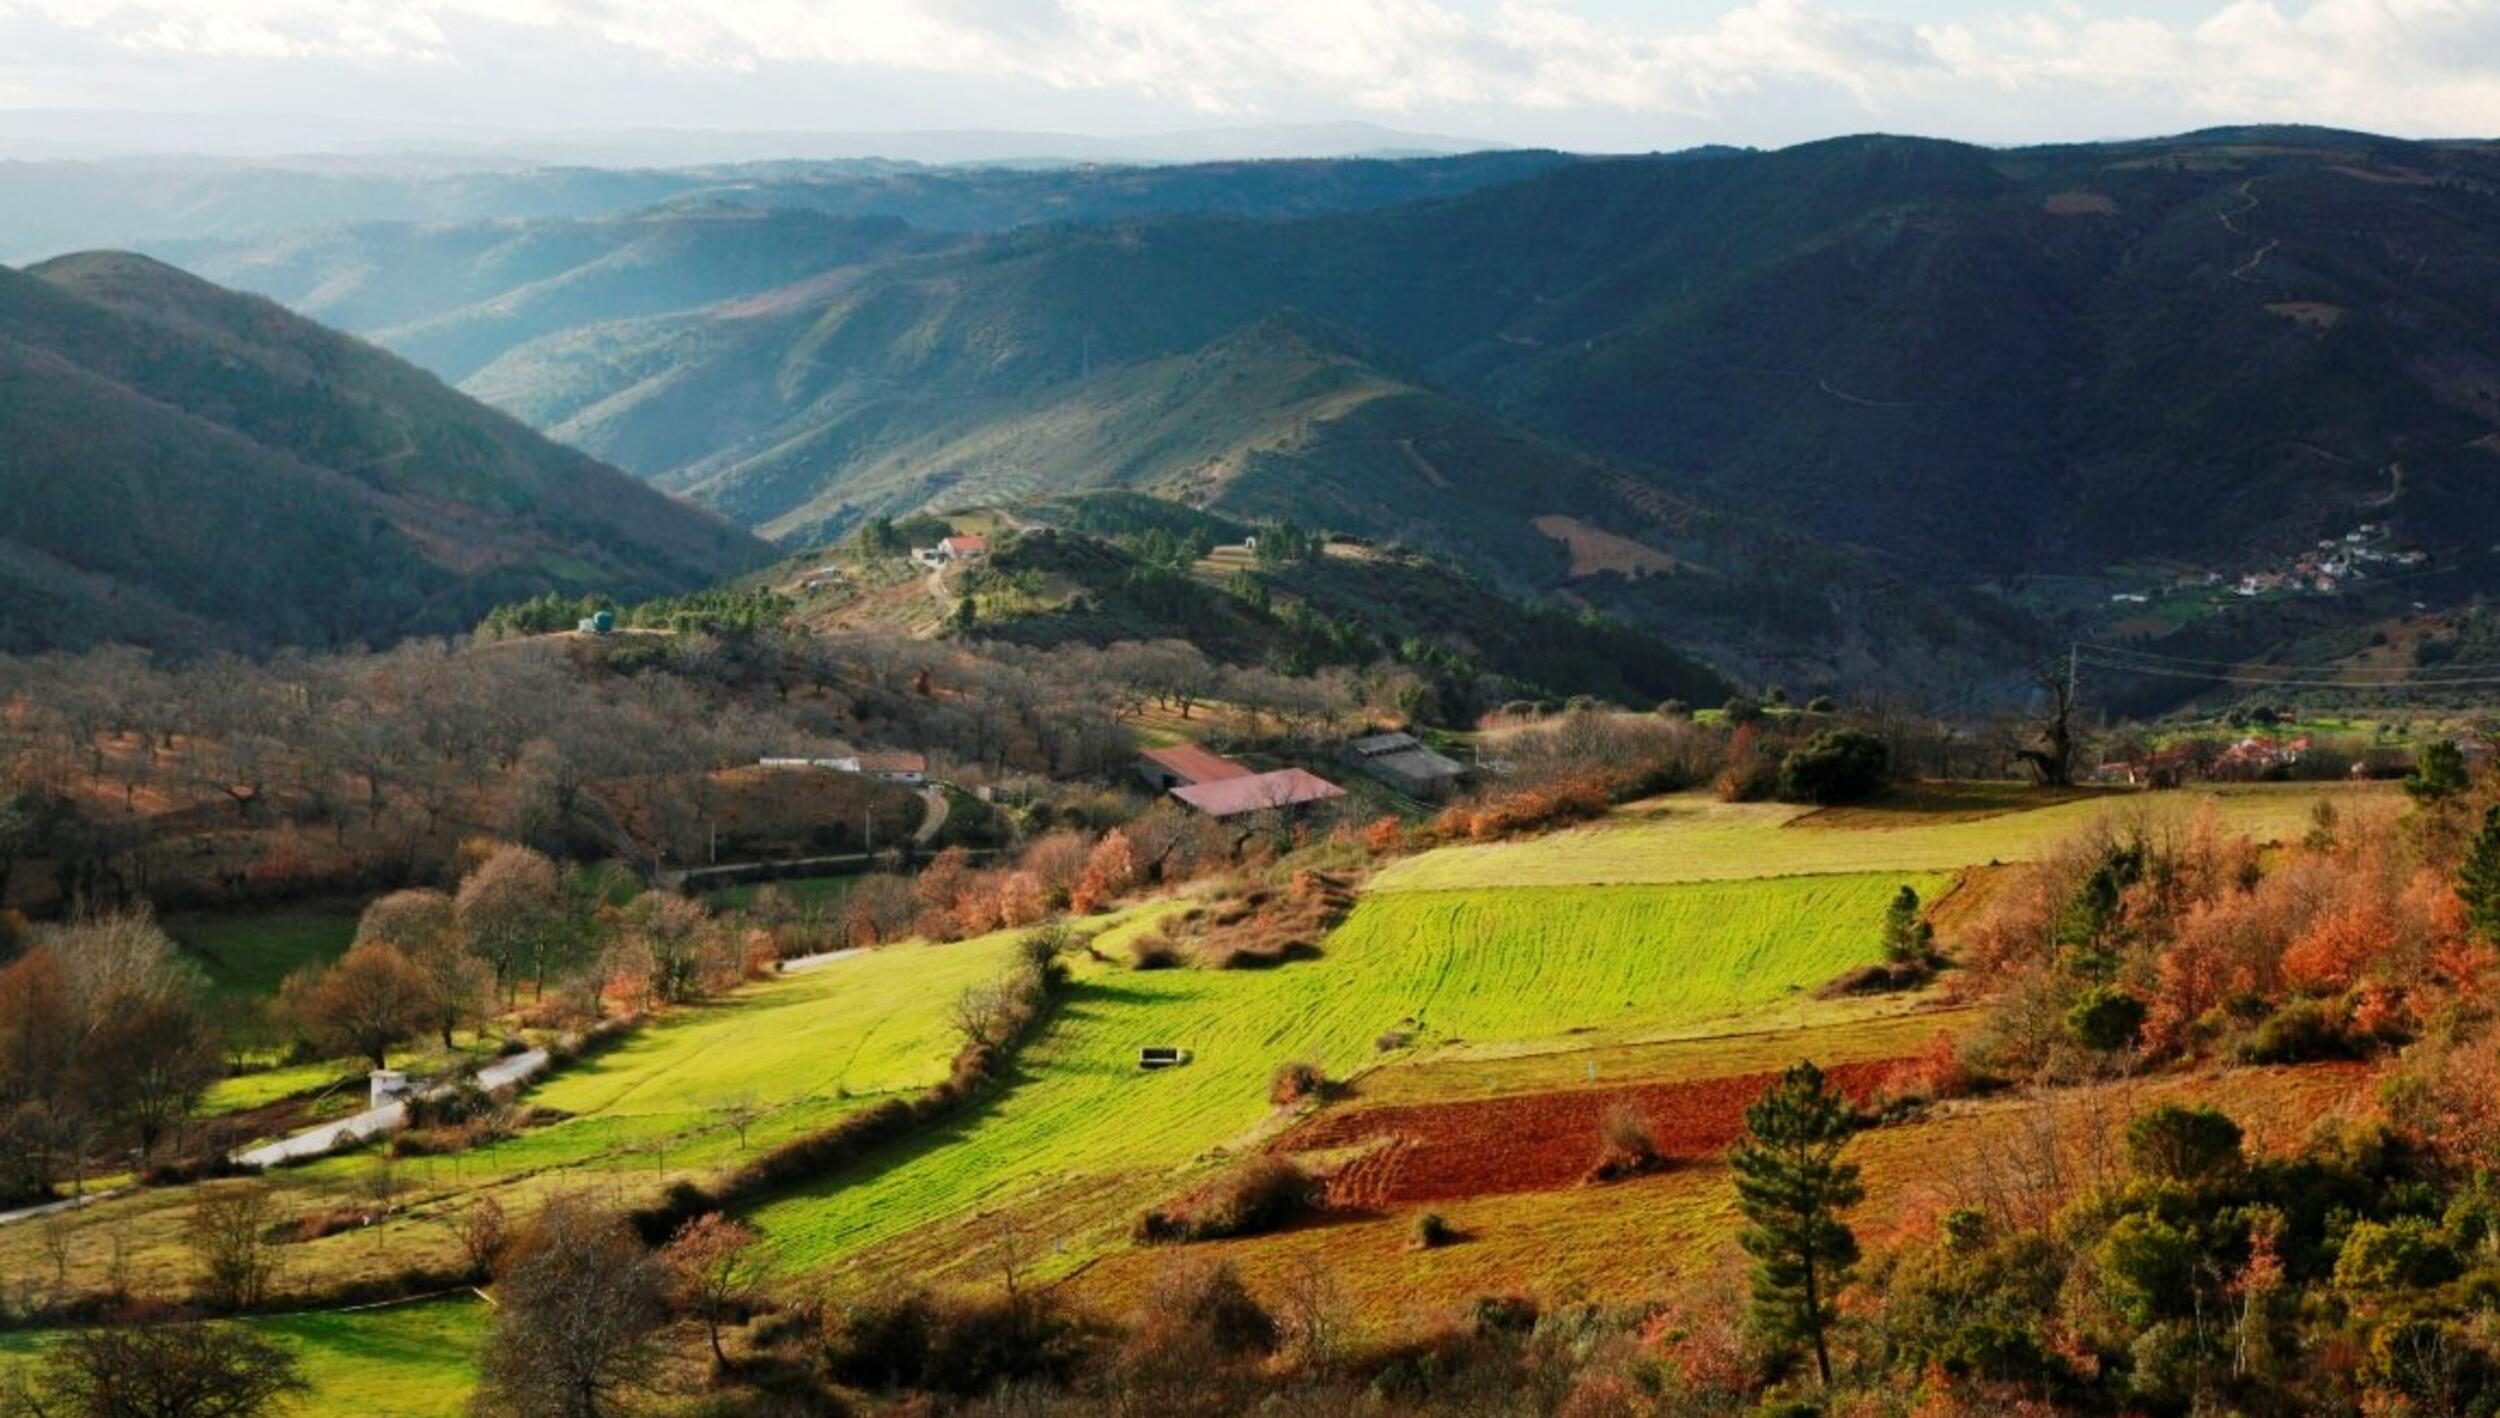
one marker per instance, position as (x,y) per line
(1184,764)
(1403,762)
(1286,790)
(907,768)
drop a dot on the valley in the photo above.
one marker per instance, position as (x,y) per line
(1848,780)
(1670,957)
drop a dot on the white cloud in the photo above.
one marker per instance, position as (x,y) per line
(2409,65)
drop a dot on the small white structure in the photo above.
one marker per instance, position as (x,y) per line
(910,768)
(385,1087)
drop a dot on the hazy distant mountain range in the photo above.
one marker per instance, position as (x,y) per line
(170,207)
(1819,408)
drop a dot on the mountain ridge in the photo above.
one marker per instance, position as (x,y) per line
(191,468)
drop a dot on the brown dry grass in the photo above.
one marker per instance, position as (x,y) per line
(1635,1240)
(1263,926)
(1594,549)
(2078,204)
(2315,313)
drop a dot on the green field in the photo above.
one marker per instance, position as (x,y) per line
(249,952)
(819,892)
(263,1086)
(401,1361)
(802,1049)
(1081,1140)
(1694,838)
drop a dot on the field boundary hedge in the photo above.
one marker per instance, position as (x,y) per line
(1033,995)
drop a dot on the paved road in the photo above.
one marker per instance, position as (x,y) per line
(312,1142)
(54,1208)
(801,964)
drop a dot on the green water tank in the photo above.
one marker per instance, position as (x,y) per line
(603,623)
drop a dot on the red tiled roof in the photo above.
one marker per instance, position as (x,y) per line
(965,543)
(1193,764)
(894,763)
(1259,792)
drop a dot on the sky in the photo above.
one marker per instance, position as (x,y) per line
(1594,75)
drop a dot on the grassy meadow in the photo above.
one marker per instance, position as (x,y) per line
(246,1091)
(247,953)
(801,1050)
(415,1360)
(1081,1140)
(1696,838)
(1675,939)
(821,893)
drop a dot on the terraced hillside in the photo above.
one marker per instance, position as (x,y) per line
(1082,1140)
(1484,1010)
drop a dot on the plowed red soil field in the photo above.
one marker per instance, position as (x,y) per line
(1534,1142)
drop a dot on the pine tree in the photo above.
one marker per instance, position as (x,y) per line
(2478,878)
(1907,939)
(2439,773)
(1791,1186)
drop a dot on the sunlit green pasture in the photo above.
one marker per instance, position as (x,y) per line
(822,893)
(261,1087)
(1696,838)
(1080,1139)
(797,1051)
(248,952)
(400,1361)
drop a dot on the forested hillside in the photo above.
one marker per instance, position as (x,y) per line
(1873,412)
(1967,359)
(189,467)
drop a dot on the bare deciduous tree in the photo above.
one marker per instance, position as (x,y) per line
(162,1368)
(228,1233)
(576,1305)
(507,907)
(717,1264)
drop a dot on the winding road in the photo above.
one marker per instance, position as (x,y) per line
(312,1142)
